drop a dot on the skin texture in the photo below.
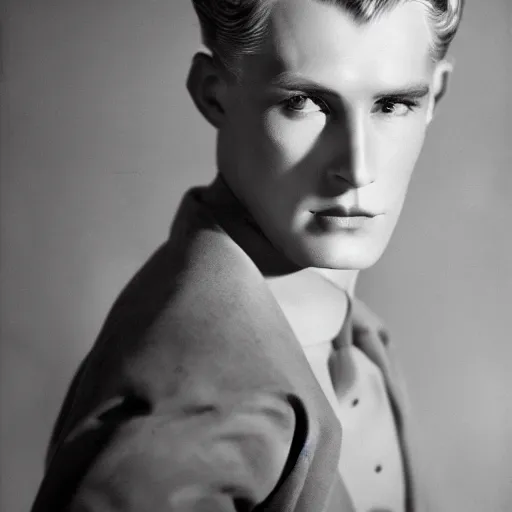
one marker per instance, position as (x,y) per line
(332,134)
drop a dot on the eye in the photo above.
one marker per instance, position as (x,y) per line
(305,104)
(395,107)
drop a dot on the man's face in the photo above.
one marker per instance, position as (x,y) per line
(331,115)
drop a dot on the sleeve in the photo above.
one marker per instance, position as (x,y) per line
(221,455)
(64,412)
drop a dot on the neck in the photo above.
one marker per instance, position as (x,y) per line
(344,279)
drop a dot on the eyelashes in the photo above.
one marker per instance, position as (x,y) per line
(298,103)
(303,103)
(392,105)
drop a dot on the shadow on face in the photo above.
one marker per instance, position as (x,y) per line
(330,114)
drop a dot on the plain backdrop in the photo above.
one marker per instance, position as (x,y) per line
(100,140)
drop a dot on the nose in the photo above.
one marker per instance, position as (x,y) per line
(352,163)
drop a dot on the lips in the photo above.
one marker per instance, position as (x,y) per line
(340,211)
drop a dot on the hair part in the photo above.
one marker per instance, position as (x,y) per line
(232,29)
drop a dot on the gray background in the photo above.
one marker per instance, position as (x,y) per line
(99,140)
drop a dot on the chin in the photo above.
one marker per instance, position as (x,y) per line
(335,256)
(345,262)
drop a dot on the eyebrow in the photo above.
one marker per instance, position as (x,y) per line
(290,82)
(410,91)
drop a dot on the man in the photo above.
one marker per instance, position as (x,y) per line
(235,372)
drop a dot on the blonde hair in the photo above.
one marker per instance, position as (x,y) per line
(231,29)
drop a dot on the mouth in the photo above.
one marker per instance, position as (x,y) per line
(340,211)
(338,218)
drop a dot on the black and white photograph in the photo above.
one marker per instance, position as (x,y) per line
(256,256)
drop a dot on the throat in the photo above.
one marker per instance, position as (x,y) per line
(314,306)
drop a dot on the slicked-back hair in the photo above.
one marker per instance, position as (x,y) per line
(231,29)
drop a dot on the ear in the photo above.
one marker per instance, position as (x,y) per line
(206,85)
(441,75)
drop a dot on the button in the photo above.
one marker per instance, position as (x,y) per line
(355,402)
(378,468)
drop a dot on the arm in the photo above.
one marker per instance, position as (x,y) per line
(215,457)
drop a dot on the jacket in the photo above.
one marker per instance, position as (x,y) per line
(197,396)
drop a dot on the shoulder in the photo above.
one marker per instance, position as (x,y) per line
(197,311)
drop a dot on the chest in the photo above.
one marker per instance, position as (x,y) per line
(370,456)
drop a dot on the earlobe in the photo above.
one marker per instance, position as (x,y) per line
(440,81)
(205,85)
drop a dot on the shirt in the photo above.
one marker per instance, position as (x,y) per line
(370,458)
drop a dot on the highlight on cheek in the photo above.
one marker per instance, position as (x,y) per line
(290,137)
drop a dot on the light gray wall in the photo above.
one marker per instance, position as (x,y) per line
(99,140)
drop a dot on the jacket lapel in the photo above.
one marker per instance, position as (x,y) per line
(376,346)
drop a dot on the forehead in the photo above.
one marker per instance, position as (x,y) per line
(323,43)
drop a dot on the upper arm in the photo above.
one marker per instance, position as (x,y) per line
(202,456)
